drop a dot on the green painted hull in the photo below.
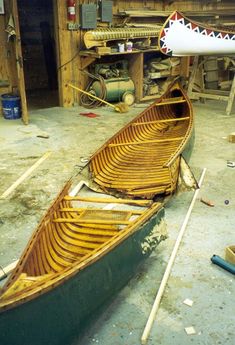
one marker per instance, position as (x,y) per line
(60,315)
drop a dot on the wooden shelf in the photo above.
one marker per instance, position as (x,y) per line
(150,13)
(94,54)
(136,60)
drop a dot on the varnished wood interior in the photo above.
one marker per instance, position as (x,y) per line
(69,236)
(143,159)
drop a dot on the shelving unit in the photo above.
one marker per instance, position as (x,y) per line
(136,60)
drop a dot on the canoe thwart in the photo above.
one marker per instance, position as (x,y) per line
(109,200)
(146,142)
(175,119)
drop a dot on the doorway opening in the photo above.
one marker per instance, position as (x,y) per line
(36,20)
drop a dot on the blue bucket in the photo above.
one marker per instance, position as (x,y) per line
(11,106)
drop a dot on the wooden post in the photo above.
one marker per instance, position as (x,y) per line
(192,76)
(68,59)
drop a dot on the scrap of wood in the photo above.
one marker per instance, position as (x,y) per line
(231,137)
(188,302)
(207,202)
(24,176)
(7,270)
(190,330)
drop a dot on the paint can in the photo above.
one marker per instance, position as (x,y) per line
(121,47)
(129,46)
(11,106)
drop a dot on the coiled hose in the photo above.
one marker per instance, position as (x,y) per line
(89,102)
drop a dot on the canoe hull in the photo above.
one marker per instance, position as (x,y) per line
(180,36)
(60,315)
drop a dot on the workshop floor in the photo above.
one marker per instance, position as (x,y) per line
(71,139)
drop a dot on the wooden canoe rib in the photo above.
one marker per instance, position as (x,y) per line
(142,160)
(180,36)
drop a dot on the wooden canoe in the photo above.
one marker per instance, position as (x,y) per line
(181,36)
(142,159)
(77,258)
(81,253)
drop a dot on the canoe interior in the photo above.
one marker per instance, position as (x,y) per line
(85,247)
(62,315)
(69,237)
(142,160)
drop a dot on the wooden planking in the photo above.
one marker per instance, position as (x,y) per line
(136,72)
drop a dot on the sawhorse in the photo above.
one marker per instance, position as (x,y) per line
(201,92)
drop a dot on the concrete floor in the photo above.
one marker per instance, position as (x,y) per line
(72,138)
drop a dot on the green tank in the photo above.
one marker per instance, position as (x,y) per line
(117,89)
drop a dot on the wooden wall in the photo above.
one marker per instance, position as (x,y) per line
(68,61)
(69,43)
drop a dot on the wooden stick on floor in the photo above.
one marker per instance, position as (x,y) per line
(24,176)
(7,270)
(161,290)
